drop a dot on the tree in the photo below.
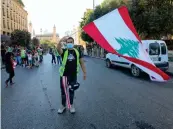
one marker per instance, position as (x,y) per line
(35,41)
(152,18)
(48,42)
(21,37)
(100,10)
(85,20)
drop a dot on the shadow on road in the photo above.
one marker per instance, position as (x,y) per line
(143,77)
(126,71)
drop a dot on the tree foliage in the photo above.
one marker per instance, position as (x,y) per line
(152,18)
(35,41)
(21,37)
(48,43)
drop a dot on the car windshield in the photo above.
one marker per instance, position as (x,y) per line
(154,49)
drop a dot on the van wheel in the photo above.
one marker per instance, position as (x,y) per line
(108,63)
(135,71)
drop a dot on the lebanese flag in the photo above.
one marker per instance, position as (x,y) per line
(116,33)
(14,64)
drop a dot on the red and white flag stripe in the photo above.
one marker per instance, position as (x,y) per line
(118,24)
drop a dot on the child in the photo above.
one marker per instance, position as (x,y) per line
(30,59)
(9,67)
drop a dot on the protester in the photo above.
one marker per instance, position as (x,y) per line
(9,49)
(36,61)
(23,57)
(53,56)
(30,59)
(9,68)
(18,57)
(40,53)
(58,56)
(71,59)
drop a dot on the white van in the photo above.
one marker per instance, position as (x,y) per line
(157,50)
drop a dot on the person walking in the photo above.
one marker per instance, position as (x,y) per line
(53,56)
(40,53)
(9,67)
(18,57)
(58,56)
(71,61)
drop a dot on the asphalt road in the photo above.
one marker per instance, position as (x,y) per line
(108,99)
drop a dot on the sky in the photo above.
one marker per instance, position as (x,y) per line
(64,14)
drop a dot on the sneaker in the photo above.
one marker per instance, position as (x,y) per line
(72,109)
(61,109)
(12,83)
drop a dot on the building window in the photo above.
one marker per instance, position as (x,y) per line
(11,15)
(4,23)
(3,1)
(3,11)
(4,33)
(7,14)
(8,24)
(15,18)
(11,26)
(19,21)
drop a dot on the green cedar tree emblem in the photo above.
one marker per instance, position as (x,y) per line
(129,47)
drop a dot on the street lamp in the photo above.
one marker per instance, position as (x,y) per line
(93,4)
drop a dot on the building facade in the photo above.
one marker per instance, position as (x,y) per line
(13,16)
(53,37)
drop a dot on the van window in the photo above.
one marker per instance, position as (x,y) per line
(154,49)
(163,48)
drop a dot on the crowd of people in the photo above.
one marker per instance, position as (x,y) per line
(13,56)
(23,56)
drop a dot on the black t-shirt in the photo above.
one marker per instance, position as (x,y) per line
(71,65)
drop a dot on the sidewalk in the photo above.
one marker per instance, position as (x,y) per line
(170,56)
(170,70)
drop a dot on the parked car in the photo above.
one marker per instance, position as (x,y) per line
(157,50)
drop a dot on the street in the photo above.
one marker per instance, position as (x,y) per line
(108,99)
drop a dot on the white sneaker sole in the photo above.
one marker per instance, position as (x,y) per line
(62,111)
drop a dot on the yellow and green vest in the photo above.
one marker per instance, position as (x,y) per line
(23,55)
(64,61)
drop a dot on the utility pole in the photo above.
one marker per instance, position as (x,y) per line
(93,4)
(41,33)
